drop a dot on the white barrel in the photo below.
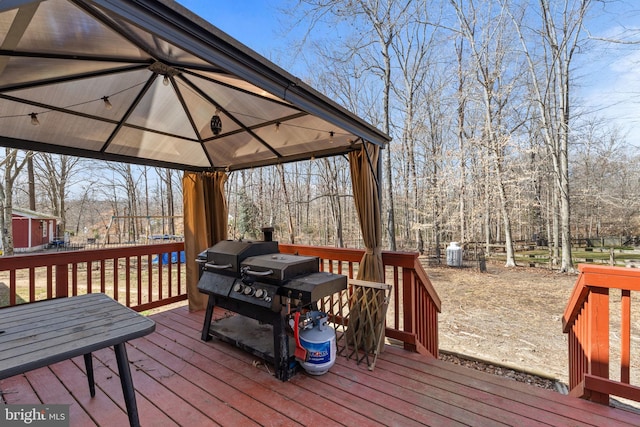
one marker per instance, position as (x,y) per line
(320,343)
(454,255)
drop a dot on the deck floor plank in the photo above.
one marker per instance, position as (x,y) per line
(462,393)
(103,410)
(203,384)
(536,398)
(236,366)
(426,393)
(252,388)
(107,380)
(181,380)
(52,391)
(168,404)
(17,391)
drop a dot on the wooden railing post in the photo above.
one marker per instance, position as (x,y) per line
(62,280)
(598,335)
(408,302)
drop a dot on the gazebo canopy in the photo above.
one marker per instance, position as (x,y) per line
(149,82)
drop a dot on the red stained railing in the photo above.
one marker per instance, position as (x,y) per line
(412,316)
(138,276)
(133,276)
(587,320)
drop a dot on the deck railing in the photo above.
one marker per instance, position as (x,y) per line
(140,277)
(587,320)
(412,317)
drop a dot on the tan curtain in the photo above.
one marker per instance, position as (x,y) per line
(205,223)
(365,191)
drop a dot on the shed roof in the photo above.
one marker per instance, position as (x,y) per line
(27,213)
(140,81)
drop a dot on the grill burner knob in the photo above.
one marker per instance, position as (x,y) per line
(248,290)
(238,287)
(260,293)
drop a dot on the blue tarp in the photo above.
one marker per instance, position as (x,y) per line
(174,258)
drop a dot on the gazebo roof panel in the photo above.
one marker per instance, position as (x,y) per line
(60,58)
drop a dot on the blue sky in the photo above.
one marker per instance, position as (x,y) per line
(254,23)
(609,74)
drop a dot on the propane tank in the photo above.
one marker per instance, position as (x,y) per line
(319,340)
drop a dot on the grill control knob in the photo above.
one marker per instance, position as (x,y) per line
(238,288)
(260,293)
(267,298)
(248,290)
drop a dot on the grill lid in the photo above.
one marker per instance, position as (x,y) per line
(226,255)
(279,267)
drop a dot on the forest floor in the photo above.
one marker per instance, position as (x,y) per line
(507,316)
(512,318)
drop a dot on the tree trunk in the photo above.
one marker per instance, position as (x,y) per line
(32,184)
(287,204)
(12,167)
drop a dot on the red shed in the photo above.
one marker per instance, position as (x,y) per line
(32,230)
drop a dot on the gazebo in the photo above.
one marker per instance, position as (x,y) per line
(149,82)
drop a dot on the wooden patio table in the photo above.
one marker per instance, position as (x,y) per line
(43,333)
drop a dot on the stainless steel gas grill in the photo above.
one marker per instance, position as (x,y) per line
(264,288)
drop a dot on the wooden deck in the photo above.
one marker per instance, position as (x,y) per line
(181,380)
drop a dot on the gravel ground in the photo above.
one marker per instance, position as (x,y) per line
(507,321)
(516,375)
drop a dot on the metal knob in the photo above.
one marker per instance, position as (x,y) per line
(260,293)
(248,290)
(238,287)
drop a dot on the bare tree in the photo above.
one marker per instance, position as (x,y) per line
(12,165)
(55,174)
(379,24)
(551,79)
(489,48)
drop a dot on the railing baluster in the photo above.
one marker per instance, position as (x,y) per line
(170,276)
(625,336)
(49,277)
(160,276)
(102,276)
(139,281)
(396,299)
(12,287)
(179,274)
(74,279)
(89,276)
(116,276)
(150,274)
(127,280)
(32,284)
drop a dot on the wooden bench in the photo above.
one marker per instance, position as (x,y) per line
(43,333)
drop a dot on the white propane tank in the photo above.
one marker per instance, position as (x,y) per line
(319,339)
(454,255)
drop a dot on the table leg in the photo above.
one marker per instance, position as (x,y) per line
(127,384)
(88,365)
